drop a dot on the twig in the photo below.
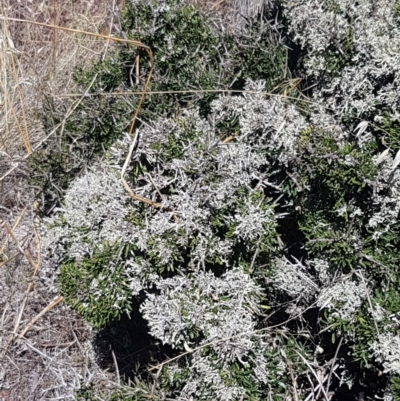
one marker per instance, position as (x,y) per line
(11,235)
(290,368)
(154,184)
(4,262)
(333,364)
(38,316)
(153,387)
(137,66)
(314,373)
(370,259)
(359,273)
(116,367)
(123,171)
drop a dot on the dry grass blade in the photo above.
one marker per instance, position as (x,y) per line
(15,225)
(143,93)
(37,317)
(123,171)
(28,290)
(315,375)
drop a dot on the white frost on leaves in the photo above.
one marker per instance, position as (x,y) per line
(252,220)
(327,29)
(343,299)
(94,212)
(185,304)
(295,279)
(386,197)
(322,269)
(386,350)
(223,310)
(206,382)
(270,123)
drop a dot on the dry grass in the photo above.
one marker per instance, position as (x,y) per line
(230,11)
(44,352)
(37,63)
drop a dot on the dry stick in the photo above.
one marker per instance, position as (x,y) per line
(333,365)
(116,367)
(4,262)
(137,69)
(127,187)
(154,185)
(17,221)
(294,384)
(11,234)
(290,368)
(28,290)
(315,375)
(143,93)
(38,316)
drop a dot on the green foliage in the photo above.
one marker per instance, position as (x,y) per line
(382,258)
(191,53)
(85,393)
(364,334)
(51,171)
(333,176)
(185,48)
(84,283)
(388,299)
(340,55)
(91,393)
(105,75)
(390,132)
(395,387)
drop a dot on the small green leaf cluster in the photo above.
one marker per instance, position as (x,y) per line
(395,387)
(332,194)
(85,282)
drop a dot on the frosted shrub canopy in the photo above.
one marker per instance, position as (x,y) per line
(273,246)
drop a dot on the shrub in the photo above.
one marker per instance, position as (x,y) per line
(271,243)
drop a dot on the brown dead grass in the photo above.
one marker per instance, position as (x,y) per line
(231,11)
(36,63)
